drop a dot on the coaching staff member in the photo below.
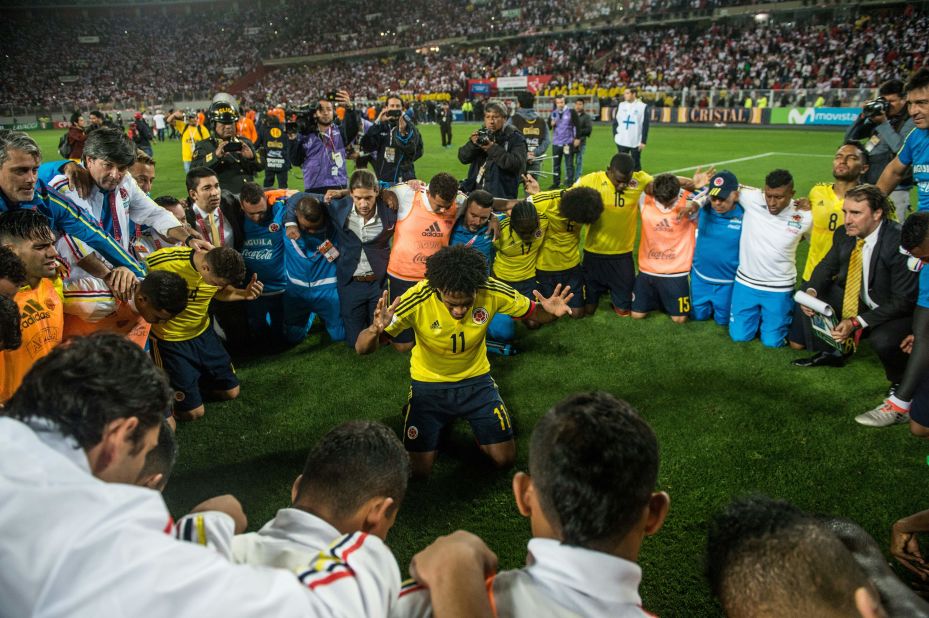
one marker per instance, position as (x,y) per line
(866,280)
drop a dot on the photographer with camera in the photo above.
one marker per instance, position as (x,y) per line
(885,123)
(497,154)
(397,143)
(234,159)
(318,140)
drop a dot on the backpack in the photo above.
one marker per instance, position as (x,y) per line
(64,146)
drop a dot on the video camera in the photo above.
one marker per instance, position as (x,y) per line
(302,118)
(484,137)
(877,107)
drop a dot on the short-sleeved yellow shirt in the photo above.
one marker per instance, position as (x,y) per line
(195,319)
(450,350)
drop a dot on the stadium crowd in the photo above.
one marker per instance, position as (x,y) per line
(99,280)
(139,63)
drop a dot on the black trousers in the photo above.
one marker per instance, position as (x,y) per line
(636,155)
(885,339)
(271,176)
(446,132)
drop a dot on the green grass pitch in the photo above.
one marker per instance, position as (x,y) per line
(732,419)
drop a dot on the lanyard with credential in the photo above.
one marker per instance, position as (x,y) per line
(329,141)
(110,223)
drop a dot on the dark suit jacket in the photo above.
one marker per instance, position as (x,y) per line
(232,213)
(890,283)
(376,249)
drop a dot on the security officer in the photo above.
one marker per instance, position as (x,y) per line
(274,148)
(234,159)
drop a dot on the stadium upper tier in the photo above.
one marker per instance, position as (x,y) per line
(131,59)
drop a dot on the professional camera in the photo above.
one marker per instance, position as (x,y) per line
(877,107)
(394,114)
(302,119)
(484,137)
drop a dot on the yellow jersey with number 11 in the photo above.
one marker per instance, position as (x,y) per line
(450,350)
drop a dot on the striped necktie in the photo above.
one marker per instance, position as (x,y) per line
(853,282)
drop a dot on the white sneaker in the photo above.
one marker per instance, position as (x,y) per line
(883,415)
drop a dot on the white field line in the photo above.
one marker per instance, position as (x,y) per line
(751,158)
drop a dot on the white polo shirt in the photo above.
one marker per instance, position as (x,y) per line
(560,581)
(768,249)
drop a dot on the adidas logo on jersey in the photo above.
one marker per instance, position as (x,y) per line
(434,231)
(33,312)
(663,226)
(435,325)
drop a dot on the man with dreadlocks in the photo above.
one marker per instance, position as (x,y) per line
(517,247)
(449,312)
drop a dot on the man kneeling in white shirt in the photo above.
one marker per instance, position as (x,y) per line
(353,481)
(76,433)
(589,495)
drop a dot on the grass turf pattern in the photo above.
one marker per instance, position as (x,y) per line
(732,419)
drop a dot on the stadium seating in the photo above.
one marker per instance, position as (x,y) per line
(180,56)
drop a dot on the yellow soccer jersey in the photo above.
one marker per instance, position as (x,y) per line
(827,216)
(614,232)
(515,260)
(193,320)
(450,350)
(560,249)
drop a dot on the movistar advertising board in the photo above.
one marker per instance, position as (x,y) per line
(815,115)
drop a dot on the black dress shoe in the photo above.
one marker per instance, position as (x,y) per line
(821,359)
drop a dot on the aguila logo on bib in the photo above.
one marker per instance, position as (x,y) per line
(479,315)
(274,227)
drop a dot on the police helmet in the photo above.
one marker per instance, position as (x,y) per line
(222,112)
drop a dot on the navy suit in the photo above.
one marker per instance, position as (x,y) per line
(357,298)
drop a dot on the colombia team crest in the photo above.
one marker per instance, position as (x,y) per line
(479,315)
(274,227)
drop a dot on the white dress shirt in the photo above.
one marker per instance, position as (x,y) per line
(365,231)
(222,224)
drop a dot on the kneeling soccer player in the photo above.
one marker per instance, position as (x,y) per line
(590,510)
(449,313)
